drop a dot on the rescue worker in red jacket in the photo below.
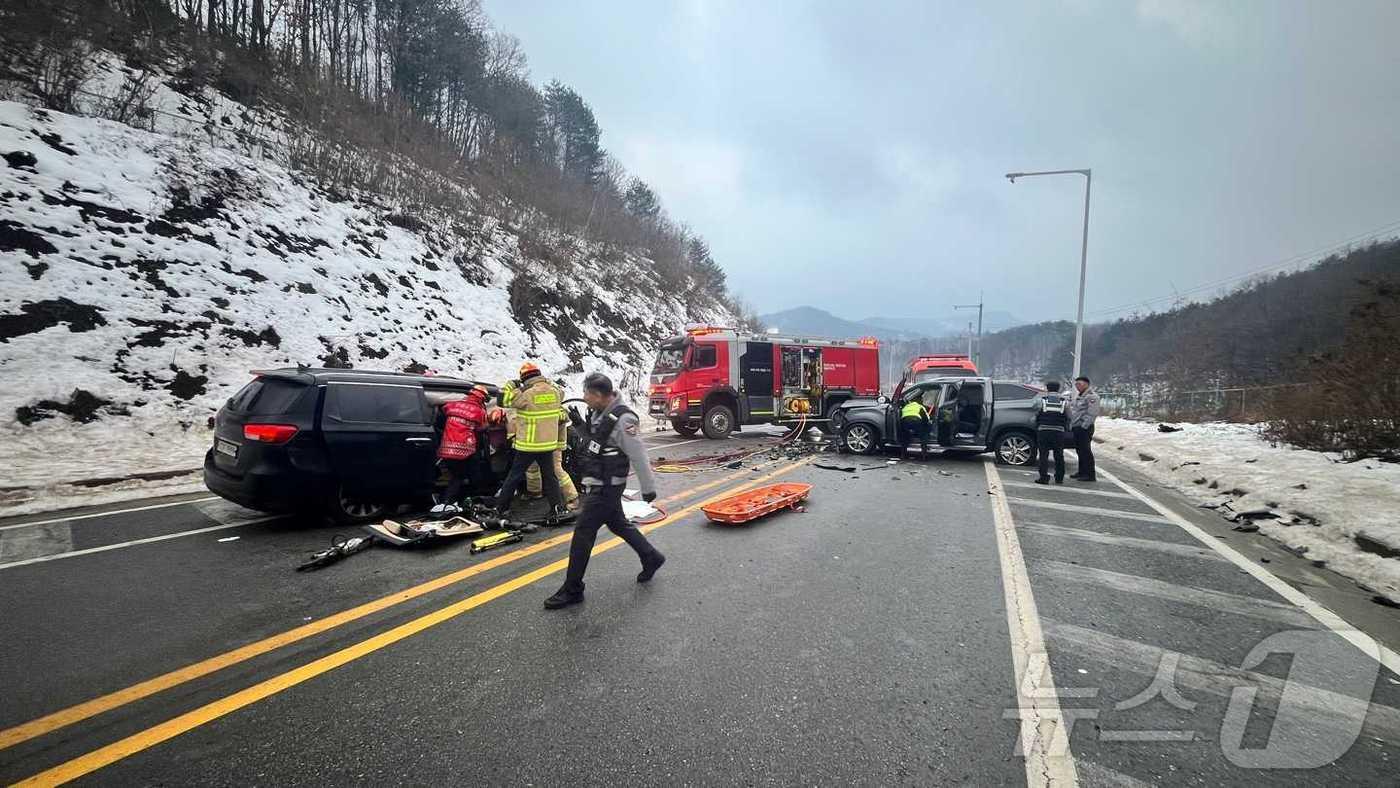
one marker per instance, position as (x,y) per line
(462,420)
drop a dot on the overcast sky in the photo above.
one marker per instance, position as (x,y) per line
(849,155)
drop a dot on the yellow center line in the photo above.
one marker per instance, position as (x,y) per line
(104,756)
(64,717)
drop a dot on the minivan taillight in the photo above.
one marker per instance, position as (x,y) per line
(269,433)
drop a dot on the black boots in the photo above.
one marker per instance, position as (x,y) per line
(563,598)
(650,564)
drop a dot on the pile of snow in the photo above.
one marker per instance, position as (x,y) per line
(1320,504)
(147,272)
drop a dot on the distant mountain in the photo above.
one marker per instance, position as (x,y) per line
(819,322)
(950,325)
(807,320)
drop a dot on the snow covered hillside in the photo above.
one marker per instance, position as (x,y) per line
(1342,513)
(145,273)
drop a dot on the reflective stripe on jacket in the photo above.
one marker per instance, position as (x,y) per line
(463,419)
(539,415)
(913,410)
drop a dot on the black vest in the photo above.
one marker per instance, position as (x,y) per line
(1053,414)
(599,458)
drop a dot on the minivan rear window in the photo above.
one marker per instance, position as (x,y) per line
(267,397)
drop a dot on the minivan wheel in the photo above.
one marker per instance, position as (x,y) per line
(1015,448)
(860,438)
(718,422)
(350,510)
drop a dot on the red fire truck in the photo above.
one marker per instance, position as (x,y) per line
(715,379)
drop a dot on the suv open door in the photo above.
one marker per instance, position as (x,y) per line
(965,417)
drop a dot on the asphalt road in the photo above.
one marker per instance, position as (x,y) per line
(865,640)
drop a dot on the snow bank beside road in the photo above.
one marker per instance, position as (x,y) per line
(145,273)
(1322,504)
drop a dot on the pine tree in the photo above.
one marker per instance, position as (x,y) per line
(640,200)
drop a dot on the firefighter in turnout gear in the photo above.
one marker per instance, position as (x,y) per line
(536,410)
(611,448)
(914,423)
(534,487)
(1051,420)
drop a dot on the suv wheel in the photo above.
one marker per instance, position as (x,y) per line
(1015,448)
(860,438)
(350,510)
(718,422)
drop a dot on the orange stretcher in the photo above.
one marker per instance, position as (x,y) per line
(756,503)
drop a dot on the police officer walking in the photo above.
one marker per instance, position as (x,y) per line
(608,449)
(1051,420)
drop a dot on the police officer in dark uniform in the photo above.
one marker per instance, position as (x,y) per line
(1051,420)
(609,449)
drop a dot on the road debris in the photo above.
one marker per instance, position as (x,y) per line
(340,548)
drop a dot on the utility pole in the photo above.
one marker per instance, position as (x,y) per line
(977,359)
(1083,251)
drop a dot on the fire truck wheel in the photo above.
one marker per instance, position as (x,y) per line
(718,422)
(687,430)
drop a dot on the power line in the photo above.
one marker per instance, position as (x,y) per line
(1291,261)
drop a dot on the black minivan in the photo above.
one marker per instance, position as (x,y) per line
(353,444)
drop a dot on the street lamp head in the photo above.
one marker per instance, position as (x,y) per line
(1011,176)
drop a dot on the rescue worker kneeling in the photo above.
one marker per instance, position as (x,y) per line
(610,448)
(914,423)
(536,410)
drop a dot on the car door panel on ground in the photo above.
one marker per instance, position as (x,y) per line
(380,437)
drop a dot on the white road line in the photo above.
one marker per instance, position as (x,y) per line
(1044,736)
(677,443)
(1069,489)
(1187,595)
(1216,678)
(1094,510)
(109,513)
(1189,551)
(134,542)
(1331,620)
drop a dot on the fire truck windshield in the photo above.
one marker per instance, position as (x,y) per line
(670,359)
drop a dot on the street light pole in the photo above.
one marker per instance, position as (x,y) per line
(1083,252)
(977,359)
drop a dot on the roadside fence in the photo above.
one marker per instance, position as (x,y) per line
(1246,404)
